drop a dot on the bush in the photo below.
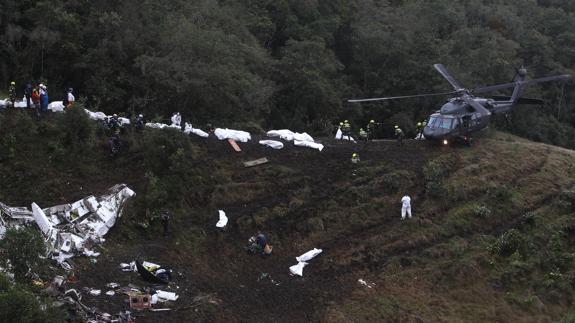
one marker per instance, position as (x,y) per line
(19,305)
(507,244)
(21,249)
(567,199)
(77,129)
(501,193)
(481,211)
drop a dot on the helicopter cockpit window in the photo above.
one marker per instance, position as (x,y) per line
(431,122)
(446,123)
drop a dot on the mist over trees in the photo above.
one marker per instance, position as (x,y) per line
(291,63)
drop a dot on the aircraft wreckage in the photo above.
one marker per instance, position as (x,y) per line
(70,229)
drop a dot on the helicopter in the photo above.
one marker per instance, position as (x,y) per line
(465,113)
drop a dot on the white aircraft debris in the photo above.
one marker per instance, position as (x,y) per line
(71,229)
(223,219)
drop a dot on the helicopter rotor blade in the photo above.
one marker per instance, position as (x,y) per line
(528,82)
(477,106)
(401,97)
(519,101)
(443,71)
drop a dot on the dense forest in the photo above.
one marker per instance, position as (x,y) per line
(291,63)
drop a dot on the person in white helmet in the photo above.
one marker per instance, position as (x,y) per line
(140,122)
(405,206)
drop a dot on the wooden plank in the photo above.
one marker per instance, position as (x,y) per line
(256,162)
(234,145)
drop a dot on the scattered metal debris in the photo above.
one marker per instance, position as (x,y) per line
(366,283)
(256,162)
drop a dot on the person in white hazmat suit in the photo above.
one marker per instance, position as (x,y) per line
(405,206)
(177,119)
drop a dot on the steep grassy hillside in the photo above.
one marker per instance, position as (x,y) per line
(491,238)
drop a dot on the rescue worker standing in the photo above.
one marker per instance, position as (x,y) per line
(43,98)
(355,158)
(346,130)
(363,135)
(36,100)
(405,207)
(71,98)
(371,129)
(399,134)
(12,93)
(165,218)
(139,122)
(28,94)
(419,128)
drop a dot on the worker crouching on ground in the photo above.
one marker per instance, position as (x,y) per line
(355,158)
(259,244)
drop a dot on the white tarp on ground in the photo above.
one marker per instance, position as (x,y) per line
(309,144)
(123,121)
(309,255)
(156,125)
(95,115)
(56,106)
(223,219)
(72,229)
(299,139)
(302,137)
(102,116)
(18,104)
(236,135)
(284,134)
(297,269)
(189,129)
(339,136)
(289,135)
(272,143)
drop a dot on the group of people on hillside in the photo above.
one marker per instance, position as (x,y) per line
(36,97)
(368,133)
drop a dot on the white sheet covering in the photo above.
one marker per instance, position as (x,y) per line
(308,144)
(309,255)
(56,106)
(223,219)
(302,137)
(284,134)
(237,135)
(95,115)
(272,143)
(297,269)
(189,129)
